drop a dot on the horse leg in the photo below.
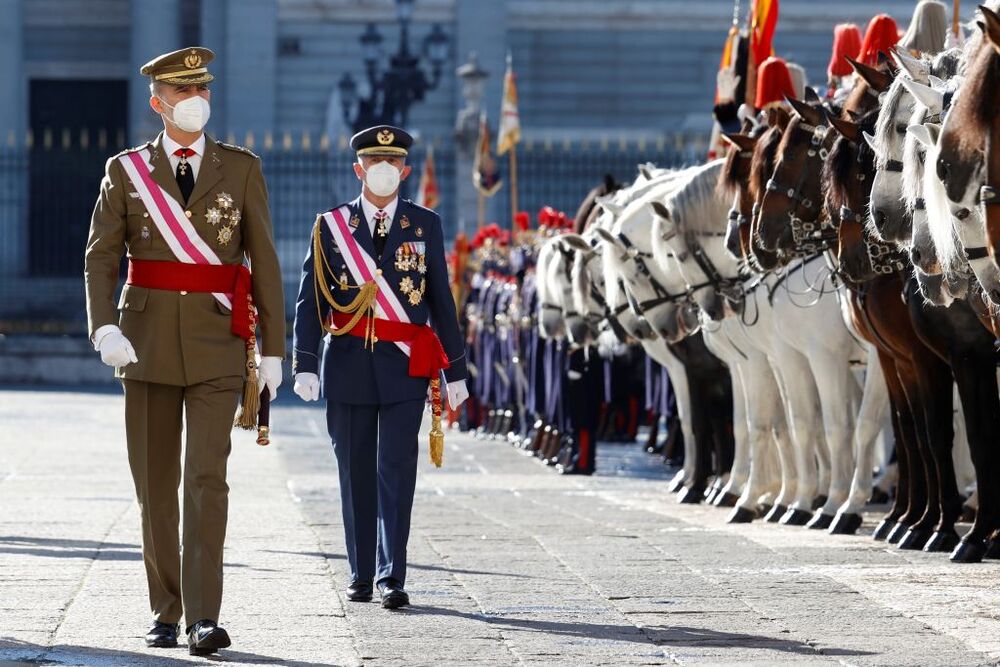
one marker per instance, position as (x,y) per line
(902,429)
(762,410)
(744,404)
(871,417)
(977,385)
(837,387)
(802,410)
(682,397)
(919,466)
(935,531)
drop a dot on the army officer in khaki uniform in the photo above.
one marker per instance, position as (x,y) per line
(188,212)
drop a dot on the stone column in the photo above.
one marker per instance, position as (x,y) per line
(251,67)
(156,29)
(213,36)
(13,110)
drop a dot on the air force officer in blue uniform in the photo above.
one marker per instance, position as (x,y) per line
(374,404)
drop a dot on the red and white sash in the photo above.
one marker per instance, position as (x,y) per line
(362,268)
(168,216)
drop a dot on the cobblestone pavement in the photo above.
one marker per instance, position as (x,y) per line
(510,564)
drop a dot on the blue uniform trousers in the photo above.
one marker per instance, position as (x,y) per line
(376,448)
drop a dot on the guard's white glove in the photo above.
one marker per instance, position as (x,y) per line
(307,386)
(457,393)
(269,374)
(115,348)
(726,83)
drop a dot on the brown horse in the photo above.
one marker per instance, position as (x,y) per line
(927,503)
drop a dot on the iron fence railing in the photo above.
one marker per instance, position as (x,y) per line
(48,185)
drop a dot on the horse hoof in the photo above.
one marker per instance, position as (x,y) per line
(726,500)
(741,515)
(993,549)
(795,518)
(845,524)
(878,497)
(969,551)
(774,516)
(710,494)
(914,539)
(968,514)
(676,486)
(763,509)
(818,502)
(942,541)
(690,496)
(900,530)
(820,521)
(881,532)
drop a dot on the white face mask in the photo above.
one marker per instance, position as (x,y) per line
(382,179)
(191,114)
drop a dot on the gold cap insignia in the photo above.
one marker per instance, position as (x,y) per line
(385,137)
(192,60)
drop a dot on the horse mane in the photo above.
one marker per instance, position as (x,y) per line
(913,164)
(973,110)
(945,65)
(842,159)
(697,206)
(762,165)
(585,214)
(885,126)
(729,179)
(946,244)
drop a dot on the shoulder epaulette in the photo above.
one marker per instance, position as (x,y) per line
(134,149)
(238,149)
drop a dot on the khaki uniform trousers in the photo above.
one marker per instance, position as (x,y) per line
(154,414)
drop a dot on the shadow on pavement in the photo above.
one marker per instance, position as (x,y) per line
(675,635)
(13,652)
(49,547)
(412,566)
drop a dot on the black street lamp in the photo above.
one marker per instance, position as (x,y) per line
(394,90)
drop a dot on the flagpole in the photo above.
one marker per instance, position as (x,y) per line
(954,17)
(513,184)
(482,211)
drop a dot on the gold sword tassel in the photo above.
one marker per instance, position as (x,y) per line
(437,434)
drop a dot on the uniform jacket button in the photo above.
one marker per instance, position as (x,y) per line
(378,272)
(183,292)
(187,213)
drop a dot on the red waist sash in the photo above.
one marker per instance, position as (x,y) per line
(233,279)
(427,356)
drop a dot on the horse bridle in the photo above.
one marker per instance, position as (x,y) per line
(808,235)
(663,295)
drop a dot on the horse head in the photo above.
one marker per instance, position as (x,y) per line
(792,200)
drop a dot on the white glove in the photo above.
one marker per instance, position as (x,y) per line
(726,82)
(457,393)
(115,348)
(307,386)
(269,374)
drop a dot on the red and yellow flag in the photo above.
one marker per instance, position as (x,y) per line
(485,172)
(763,21)
(429,196)
(509,133)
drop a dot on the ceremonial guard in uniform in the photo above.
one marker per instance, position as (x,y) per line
(375,292)
(189,212)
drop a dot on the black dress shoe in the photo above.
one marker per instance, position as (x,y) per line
(205,638)
(360,591)
(162,635)
(393,595)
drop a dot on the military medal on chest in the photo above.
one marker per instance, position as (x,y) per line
(224,213)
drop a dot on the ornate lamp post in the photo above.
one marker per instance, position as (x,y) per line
(393,91)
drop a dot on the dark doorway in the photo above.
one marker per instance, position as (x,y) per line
(76,126)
